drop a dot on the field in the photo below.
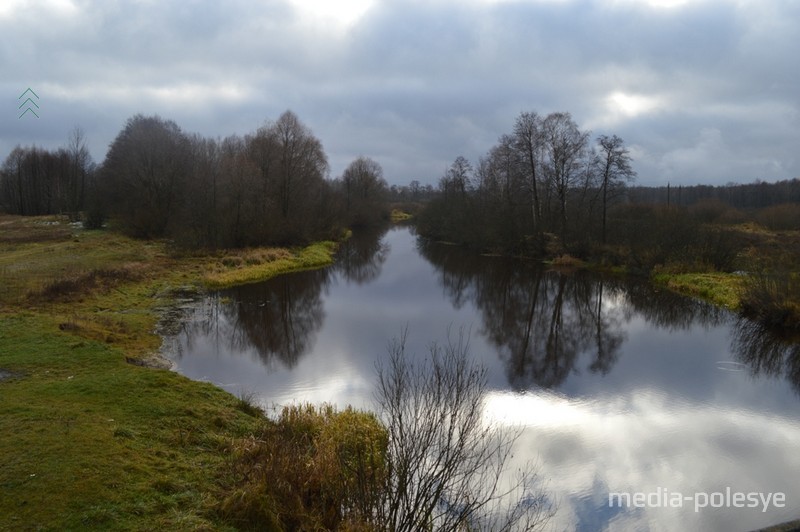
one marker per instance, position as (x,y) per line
(90,438)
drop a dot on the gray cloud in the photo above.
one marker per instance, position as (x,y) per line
(706,91)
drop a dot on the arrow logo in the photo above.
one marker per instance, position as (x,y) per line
(29,102)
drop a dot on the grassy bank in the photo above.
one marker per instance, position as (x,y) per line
(258,265)
(89,440)
(764,286)
(399,216)
(92,442)
(722,289)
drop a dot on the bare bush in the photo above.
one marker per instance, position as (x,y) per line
(446,463)
(313,468)
(771,298)
(783,217)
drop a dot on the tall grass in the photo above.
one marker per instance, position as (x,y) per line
(237,270)
(772,297)
(313,468)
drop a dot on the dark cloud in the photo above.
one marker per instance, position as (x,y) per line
(702,91)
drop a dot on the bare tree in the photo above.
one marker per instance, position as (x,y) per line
(14,182)
(529,141)
(80,166)
(455,181)
(147,168)
(263,150)
(414,188)
(364,188)
(445,461)
(565,145)
(239,205)
(301,160)
(615,170)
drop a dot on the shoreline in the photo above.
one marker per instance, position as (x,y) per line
(92,436)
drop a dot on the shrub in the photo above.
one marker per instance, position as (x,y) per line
(784,217)
(311,469)
(445,460)
(773,299)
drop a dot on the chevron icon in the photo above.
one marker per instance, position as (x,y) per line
(29,102)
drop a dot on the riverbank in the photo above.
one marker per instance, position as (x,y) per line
(765,284)
(88,439)
(719,288)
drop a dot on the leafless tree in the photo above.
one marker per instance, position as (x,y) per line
(614,171)
(529,141)
(414,188)
(446,461)
(13,182)
(240,206)
(35,181)
(301,161)
(364,189)
(78,171)
(456,180)
(147,168)
(565,145)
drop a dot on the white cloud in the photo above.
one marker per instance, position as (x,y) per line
(635,442)
(421,82)
(341,13)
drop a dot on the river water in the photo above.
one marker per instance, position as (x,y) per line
(618,387)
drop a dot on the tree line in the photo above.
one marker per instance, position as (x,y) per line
(35,181)
(157,181)
(547,189)
(755,195)
(544,177)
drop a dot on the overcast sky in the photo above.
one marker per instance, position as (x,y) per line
(701,91)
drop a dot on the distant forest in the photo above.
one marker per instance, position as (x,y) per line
(546,179)
(755,195)
(268,187)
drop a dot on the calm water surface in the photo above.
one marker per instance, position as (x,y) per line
(619,387)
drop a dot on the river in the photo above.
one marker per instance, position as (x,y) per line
(620,388)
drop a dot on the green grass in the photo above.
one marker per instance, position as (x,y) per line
(723,289)
(313,256)
(89,441)
(30,266)
(397,216)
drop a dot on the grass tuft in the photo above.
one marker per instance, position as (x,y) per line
(723,289)
(398,216)
(313,468)
(252,267)
(247,402)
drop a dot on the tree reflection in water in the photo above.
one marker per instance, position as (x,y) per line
(277,319)
(543,322)
(544,325)
(361,257)
(767,353)
(280,318)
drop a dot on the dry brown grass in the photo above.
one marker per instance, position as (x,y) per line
(20,230)
(100,280)
(311,469)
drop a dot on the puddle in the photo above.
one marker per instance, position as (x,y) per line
(5,374)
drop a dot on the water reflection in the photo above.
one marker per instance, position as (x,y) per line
(361,257)
(543,322)
(645,441)
(766,353)
(670,311)
(620,387)
(278,320)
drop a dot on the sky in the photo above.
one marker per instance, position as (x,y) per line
(701,91)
